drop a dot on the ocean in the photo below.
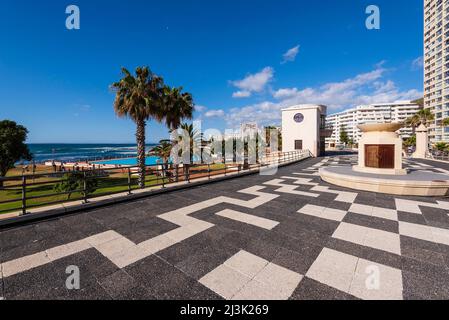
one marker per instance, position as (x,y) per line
(80,152)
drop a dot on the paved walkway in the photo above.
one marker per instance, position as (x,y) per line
(287,236)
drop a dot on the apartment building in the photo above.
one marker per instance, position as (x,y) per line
(375,113)
(436,65)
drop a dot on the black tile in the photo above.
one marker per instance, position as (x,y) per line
(411,218)
(203,261)
(310,289)
(298,261)
(118,284)
(417,285)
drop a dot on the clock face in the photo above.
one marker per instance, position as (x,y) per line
(299,117)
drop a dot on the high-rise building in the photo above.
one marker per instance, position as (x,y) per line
(374,113)
(436,65)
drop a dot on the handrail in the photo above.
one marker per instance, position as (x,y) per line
(157,176)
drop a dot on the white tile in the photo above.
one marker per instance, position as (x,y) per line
(248,219)
(369,237)
(246,263)
(334,269)
(115,247)
(281,281)
(371,211)
(373,281)
(413,206)
(361,209)
(225,281)
(156,244)
(383,240)
(440,235)
(342,196)
(416,231)
(67,249)
(334,214)
(351,233)
(256,290)
(24,264)
(324,213)
(102,238)
(384,213)
(128,256)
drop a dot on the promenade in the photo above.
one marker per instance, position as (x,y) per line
(284,236)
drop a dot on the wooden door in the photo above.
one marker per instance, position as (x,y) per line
(379,156)
(386,157)
(371,156)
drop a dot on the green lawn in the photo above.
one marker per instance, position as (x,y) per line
(117,182)
(107,185)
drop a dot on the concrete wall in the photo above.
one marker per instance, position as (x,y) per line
(308,130)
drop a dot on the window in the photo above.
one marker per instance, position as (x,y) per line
(298,144)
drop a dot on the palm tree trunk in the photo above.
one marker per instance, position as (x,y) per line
(140,137)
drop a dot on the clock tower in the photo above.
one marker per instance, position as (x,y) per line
(304,128)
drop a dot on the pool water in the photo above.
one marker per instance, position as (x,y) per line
(150,161)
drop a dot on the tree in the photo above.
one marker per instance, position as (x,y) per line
(445,122)
(177,107)
(268,131)
(12,146)
(74,181)
(410,142)
(419,102)
(194,137)
(163,151)
(140,98)
(441,146)
(423,116)
(344,138)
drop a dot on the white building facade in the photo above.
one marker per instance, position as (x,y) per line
(303,128)
(436,65)
(395,112)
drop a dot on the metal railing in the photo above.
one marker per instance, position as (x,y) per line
(438,155)
(38,190)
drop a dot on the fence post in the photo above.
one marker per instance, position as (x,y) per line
(85,186)
(24,195)
(129,180)
(163,176)
(208,169)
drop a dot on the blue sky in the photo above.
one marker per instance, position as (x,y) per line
(241,60)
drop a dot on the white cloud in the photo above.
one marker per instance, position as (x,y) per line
(418,63)
(81,109)
(200,108)
(253,83)
(214,114)
(290,55)
(241,94)
(365,88)
(285,93)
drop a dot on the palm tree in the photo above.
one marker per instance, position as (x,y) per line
(441,146)
(163,151)
(445,122)
(194,136)
(423,116)
(178,106)
(140,98)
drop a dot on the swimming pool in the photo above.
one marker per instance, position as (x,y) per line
(150,161)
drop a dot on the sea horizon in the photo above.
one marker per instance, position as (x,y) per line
(69,152)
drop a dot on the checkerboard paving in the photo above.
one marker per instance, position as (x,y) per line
(248,277)
(288,236)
